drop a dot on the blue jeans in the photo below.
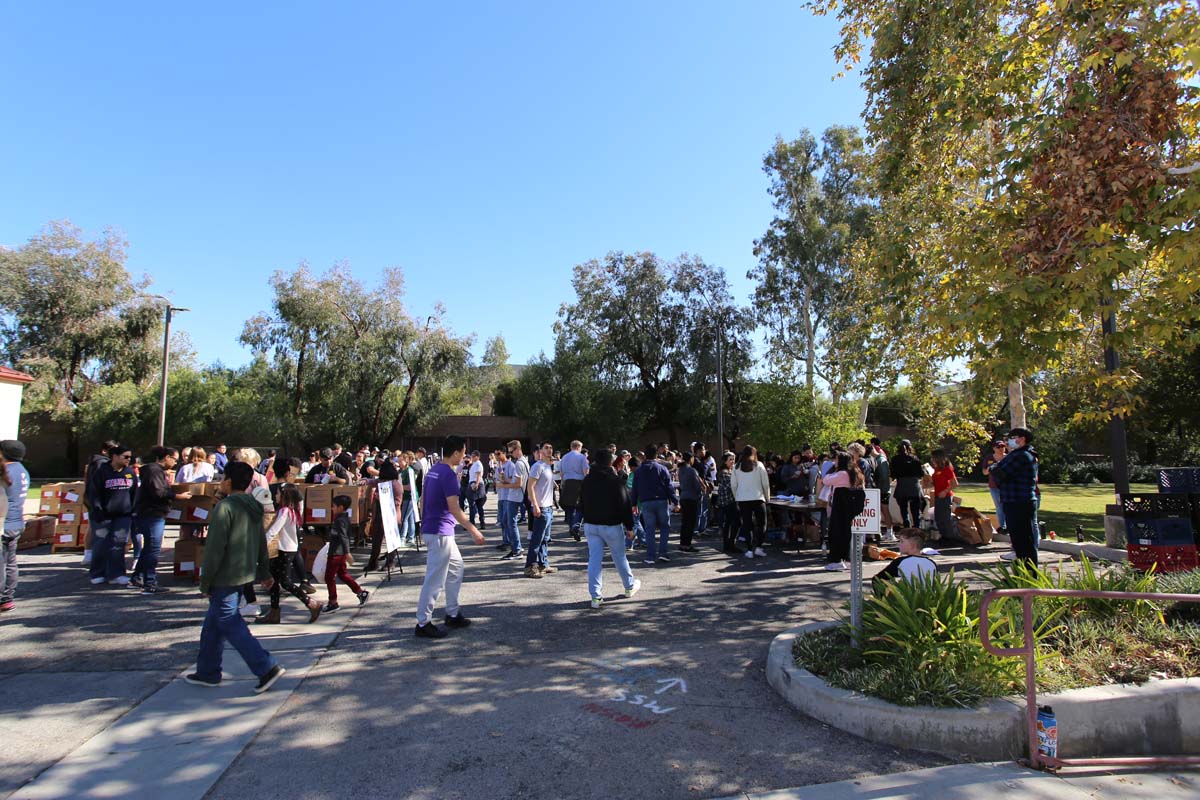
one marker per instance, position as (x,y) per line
(702,523)
(999,507)
(223,623)
(539,539)
(108,548)
(508,524)
(612,537)
(477,504)
(655,514)
(151,530)
(408,523)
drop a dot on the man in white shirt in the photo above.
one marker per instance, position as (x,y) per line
(541,506)
(478,494)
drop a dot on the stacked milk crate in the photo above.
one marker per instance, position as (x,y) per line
(1161,528)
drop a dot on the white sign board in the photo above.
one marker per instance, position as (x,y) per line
(872,513)
(387,515)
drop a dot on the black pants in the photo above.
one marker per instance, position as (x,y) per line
(729,525)
(754,522)
(299,571)
(689,516)
(281,568)
(910,506)
(1022,530)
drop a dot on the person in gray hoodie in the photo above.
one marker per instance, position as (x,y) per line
(16,488)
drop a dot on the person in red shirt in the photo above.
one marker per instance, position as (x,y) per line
(944,481)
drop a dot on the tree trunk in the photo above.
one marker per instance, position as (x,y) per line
(863,407)
(1016,404)
(73,463)
(810,358)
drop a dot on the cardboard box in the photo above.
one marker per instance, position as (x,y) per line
(355,495)
(66,537)
(72,514)
(189,556)
(199,509)
(318,505)
(70,492)
(49,504)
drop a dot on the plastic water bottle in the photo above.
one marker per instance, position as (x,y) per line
(1079,533)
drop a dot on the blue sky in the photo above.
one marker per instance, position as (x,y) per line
(484,147)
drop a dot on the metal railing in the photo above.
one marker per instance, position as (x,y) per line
(1028,650)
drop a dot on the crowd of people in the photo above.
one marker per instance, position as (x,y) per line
(618,501)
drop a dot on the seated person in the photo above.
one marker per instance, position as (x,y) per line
(910,564)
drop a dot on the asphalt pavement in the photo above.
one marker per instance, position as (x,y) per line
(663,695)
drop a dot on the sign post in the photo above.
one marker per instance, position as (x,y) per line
(860,526)
(387,513)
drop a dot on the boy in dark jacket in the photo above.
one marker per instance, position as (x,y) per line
(150,506)
(235,554)
(339,551)
(111,488)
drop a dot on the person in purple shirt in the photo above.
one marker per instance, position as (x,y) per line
(444,564)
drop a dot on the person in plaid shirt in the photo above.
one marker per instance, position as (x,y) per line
(1016,476)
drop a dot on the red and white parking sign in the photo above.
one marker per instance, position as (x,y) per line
(872,514)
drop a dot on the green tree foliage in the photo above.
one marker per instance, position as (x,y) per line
(783,417)
(73,318)
(651,327)
(1029,157)
(351,363)
(569,397)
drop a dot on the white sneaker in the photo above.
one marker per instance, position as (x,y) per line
(250,610)
(836,566)
(758,551)
(1011,555)
(122,581)
(749,554)
(97,581)
(87,557)
(597,602)
(630,592)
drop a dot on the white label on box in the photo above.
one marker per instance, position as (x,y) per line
(66,518)
(174,513)
(317,513)
(187,566)
(66,537)
(71,497)
(200,513)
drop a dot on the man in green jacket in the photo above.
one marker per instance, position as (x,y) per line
(235,554)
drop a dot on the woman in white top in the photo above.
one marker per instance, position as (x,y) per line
(285,531)
(198,470)
(751,488)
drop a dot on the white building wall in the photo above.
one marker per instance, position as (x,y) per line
(10,409)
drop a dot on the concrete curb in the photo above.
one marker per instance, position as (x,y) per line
(1093,550)
(1151,719)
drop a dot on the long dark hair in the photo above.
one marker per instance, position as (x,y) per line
(387,470)
(847,464)
(290,498)
(749,458)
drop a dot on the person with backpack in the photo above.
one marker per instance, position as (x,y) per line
(911,565)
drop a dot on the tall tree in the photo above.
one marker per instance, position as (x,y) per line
(74,319)
(352,362)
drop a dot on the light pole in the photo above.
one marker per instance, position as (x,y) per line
(166,359)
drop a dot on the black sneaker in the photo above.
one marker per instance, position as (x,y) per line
(429,631)
(135,582)
(330,608)
(268,680)
(575,533)
(687,548)
(663,559)
(511,554)
(362,597)
(457,621)
(195,679)
(155,589)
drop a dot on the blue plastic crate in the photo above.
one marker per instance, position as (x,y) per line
(1179,480)
(1159,532)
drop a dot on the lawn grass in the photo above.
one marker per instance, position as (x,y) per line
(1064,505)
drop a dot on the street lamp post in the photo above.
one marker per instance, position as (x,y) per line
(166,359)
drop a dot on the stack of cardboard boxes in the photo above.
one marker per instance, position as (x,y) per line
(38,531)
(64,502)
(192,515)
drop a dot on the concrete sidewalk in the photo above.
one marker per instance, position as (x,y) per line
(1000,780)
